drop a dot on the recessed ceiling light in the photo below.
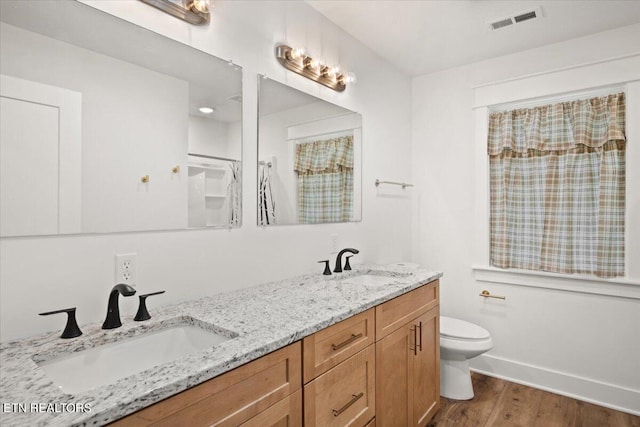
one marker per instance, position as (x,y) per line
(206,110)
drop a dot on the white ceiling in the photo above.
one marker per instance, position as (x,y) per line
(423,36)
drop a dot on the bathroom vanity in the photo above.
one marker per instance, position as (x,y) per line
(358,348)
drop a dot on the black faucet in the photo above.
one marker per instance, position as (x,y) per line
(338,267)
(113,310)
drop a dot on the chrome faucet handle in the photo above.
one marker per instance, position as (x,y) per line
(143,313)
(327,269)
(71,330)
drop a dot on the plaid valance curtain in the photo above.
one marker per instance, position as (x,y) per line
(558,187)
(325,180)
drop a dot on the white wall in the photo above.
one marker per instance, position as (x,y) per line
(209,137)
(40,274)
(578,344)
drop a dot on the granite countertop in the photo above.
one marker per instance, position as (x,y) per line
(265,318)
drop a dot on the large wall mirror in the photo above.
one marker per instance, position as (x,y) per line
(310,158)
(109,127)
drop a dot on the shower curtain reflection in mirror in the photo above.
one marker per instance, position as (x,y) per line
(324,169)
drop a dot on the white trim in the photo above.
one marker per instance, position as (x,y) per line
(577,387)
(602,74)
(558,98)
(621,288)
(555,70)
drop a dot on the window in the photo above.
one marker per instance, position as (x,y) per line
(557,187)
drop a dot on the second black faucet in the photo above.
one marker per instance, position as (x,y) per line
(338,267)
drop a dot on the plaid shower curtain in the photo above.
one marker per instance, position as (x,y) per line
(325,180)
(558,187)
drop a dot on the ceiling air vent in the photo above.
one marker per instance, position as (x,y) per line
(500,24)
(517,18)
(525,16)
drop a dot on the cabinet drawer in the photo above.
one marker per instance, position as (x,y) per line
(393,314)
(344,395)
(230,399)
(330,346)
(286,413)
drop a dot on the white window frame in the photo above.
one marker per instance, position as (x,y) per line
(622,74)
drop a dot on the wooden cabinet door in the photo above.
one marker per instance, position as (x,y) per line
(286,413)
(408,373)
(394,387)
(426,368)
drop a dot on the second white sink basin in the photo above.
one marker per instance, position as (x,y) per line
(108,363)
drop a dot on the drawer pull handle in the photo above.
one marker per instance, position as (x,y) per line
(354,399)
(415,341)
(420,345)
(349,340)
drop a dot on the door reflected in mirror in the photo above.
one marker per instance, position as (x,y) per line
(310,158)
(112,129)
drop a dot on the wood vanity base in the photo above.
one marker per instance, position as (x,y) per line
(378,368)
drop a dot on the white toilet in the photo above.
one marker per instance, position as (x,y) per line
(459,342)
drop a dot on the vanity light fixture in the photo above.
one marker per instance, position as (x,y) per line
(196,12)
(298,61)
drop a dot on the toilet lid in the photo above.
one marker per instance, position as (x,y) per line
(456,328)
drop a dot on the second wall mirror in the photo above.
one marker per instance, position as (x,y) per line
(309,158)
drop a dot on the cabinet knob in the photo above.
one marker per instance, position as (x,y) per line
(145,179)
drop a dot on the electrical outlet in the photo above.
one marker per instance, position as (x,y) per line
(126,269)
(333,243)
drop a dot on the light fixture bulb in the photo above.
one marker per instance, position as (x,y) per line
(329,72)
(350,77)
(201,6)
(311,63)
(206,110)
(297,53)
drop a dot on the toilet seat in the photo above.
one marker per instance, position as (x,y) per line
(458,329)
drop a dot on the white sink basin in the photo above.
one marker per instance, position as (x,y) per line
(369,280)
(108,363)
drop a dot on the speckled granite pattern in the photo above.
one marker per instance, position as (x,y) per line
(262,319)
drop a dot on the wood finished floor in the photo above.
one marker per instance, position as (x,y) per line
(500,403)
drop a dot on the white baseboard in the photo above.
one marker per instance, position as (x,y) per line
(600,393)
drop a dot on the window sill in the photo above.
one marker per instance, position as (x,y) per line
(623,288)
